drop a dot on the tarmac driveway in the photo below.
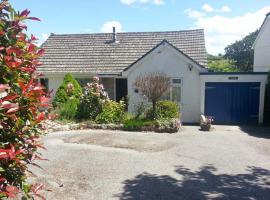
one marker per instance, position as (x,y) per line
(227,163)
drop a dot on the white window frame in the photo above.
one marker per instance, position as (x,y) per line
(178,85)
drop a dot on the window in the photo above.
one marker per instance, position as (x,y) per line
(174,92)
(45,82)
(83,81)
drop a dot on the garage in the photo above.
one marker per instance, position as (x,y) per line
(235,103)
(233,98)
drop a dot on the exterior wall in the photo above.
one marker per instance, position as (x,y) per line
(168,60)
(262,78)
(262,48)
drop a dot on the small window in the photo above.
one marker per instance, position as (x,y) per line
(176,81)
(45,82)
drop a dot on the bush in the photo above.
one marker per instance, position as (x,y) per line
(112,112)
(69,88)
(139,125)
(140,109)
(168,125)
(21,101)
(68,110)
(165,110)
(92,100)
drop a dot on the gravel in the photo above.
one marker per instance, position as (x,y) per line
(227,163)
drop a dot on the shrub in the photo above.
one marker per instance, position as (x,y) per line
(92,100)
(165,110)
(168,125)
(140,109)
(112,112)
(21,99)
(69,88)
(139,125)
(68,110)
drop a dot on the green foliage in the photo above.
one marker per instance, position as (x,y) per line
(165,110)
(140,109)
(221,64)
(137,124)
(92,101)
(69,88)
(170,125)
(23,103)
(68,110)
(242,53)
(112,112)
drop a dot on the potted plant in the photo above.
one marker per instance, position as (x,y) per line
(206,122)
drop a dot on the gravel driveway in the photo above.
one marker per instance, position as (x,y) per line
(227,163)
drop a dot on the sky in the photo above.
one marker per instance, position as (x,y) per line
(224,21)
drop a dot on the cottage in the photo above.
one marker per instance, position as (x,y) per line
(118,58)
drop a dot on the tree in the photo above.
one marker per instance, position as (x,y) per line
(221,64)
(153,86)
(22,100)
(69,88)
(241,52)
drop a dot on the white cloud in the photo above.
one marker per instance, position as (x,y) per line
(108,26)
(194,14)
(221,31)
(131,2)
(225,9)
(207,8)
(43,38)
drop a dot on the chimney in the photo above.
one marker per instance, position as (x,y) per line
(114,35)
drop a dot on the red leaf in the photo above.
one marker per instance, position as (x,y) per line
(34,18)
(12,110)
(12,191)
(10,97)
(25,13)
(33,38)
(41,52)
(31,47)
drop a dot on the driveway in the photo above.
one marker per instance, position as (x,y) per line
(227,163)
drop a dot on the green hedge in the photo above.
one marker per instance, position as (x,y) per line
(165,110)
(62,94)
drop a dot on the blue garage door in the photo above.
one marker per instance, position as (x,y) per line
(232,103)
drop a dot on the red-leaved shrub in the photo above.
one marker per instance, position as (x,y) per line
(21,100)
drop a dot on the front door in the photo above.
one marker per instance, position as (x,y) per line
(121,88)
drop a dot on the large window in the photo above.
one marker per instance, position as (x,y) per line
(174,92)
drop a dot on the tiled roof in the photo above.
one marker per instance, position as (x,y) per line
(96,53)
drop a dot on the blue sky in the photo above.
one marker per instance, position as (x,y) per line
(224,21)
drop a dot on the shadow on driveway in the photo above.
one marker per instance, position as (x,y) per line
(200,185)
(257,131)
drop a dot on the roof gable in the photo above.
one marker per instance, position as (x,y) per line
(95,53)
(201,67)
(264,24)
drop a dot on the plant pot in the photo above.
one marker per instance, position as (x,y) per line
(205,127)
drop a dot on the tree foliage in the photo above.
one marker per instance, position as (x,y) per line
(221,64)
(153,86)
(69,88)
(241,52)
(21,98)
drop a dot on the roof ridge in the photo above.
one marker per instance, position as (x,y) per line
(135,32)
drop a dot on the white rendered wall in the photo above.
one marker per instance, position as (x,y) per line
(262,49)
(168,60)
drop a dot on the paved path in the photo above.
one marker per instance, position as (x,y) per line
(228,163)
